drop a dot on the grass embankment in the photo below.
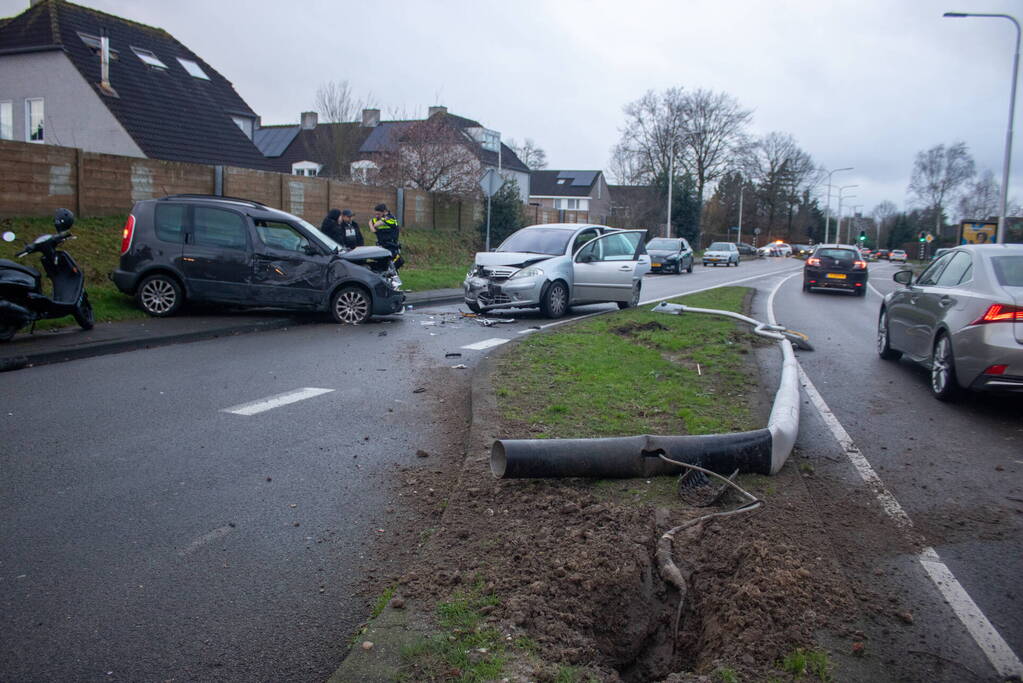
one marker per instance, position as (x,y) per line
(435,259)
(634,372)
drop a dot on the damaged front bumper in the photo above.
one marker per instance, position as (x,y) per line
(508,293)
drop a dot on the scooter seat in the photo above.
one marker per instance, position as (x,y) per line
(14,265)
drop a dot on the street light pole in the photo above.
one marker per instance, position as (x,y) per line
(742,188)
(671,174)
(1002,209)
(849,224)
(838,229)
(827,212)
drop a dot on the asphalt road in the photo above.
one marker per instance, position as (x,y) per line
(148,534)
(954,468)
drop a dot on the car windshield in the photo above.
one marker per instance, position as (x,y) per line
(538,241)
(326,241)
(664,243)
(1008,270)
(720,246)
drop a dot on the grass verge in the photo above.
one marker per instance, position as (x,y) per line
(437,259)
(634,372)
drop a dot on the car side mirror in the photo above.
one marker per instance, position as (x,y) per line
(904,277)
(310,250)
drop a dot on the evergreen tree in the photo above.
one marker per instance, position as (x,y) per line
(685,206)
(505,213)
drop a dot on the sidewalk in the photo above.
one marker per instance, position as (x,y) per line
(72,343)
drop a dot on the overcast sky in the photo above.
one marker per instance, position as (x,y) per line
(863,83)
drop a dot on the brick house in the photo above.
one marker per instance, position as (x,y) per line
(584,191)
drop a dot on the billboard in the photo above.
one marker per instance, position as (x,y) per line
(977,232)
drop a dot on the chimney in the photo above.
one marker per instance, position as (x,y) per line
(370,118)
(104,64)
(309,119)
(436,110)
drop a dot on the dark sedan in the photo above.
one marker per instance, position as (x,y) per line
(670,255)
(836,266)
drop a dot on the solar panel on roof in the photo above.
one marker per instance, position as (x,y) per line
(584,178)
(273,141)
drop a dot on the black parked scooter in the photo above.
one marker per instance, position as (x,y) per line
(21,293)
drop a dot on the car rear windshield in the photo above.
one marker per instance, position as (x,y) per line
(720,246)
(538,241)
(664,243)
(1008,270)
(838,254)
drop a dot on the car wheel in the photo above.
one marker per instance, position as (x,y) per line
(350,305)
(7,332)
(160,295)
(555,301)
(944,384)
(861,292)
(689,269)
(474,307)
(633,300)
(884,348)
(806,286)
(83,312)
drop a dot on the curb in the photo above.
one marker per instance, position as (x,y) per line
(103,348)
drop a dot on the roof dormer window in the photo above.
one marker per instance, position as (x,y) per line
(148,57)
(193,69)
(93,43)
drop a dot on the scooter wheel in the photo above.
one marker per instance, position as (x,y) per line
(83,313)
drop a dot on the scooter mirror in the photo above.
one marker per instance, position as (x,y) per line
(9,236)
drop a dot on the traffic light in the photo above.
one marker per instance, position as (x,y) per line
(863,235)
(923,236)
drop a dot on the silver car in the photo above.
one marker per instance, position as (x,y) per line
(963,317)
(721,252)
(557,265)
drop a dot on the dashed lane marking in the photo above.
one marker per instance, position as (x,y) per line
(983,632)
(486,344)
(277,401)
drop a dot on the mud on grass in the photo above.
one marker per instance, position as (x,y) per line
(569,564)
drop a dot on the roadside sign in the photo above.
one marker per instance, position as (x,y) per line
(977,232)
(756,231)
(491,182)
(930,238)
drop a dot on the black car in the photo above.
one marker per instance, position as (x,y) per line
(836,266)
(670,255)
(746,249)
(243,253)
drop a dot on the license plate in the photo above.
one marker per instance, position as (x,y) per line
(836,276)
(656,265)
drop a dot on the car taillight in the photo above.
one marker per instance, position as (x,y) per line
(859,265)
(995,370)
(127,234)
(1000,313)
(813,261)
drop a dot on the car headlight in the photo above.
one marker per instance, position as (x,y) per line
(527,272)
(673,257)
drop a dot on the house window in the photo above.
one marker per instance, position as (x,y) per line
(148,57)
(195,70)
(245,124)
(309,168)
(34,119)
(94,44)
(6,120)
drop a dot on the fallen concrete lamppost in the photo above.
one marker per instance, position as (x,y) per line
(761,451)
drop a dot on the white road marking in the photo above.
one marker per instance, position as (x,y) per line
(486,344)
(219,532)
(983,632)
(276,401)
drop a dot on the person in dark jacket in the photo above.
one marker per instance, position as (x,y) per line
(351,236)
(330,227)
(385,227)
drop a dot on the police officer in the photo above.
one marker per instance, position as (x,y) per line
(385,227)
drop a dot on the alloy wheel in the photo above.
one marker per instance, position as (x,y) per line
(158,296)
(351,307)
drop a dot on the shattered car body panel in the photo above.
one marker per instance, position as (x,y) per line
(612,269)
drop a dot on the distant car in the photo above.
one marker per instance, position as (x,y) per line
(776,249)
(242,253)
(801,249)
(963,317)
(881,254)
(897,255)
(746,249)
(553,266)
(670,255)
(721,253)
(836,266)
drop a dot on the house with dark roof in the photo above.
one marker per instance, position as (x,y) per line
(358,150)
(76,77)
(571,191)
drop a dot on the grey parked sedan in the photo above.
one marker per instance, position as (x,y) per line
(557,265)
(963,317)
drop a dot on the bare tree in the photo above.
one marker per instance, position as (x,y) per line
(433,156)
(980,199)
(938,175)
(784,174)
(334,141)
(529,153)
(652,133)
(883,213)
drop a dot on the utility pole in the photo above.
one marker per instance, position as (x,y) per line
(742,188)
(827,212)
